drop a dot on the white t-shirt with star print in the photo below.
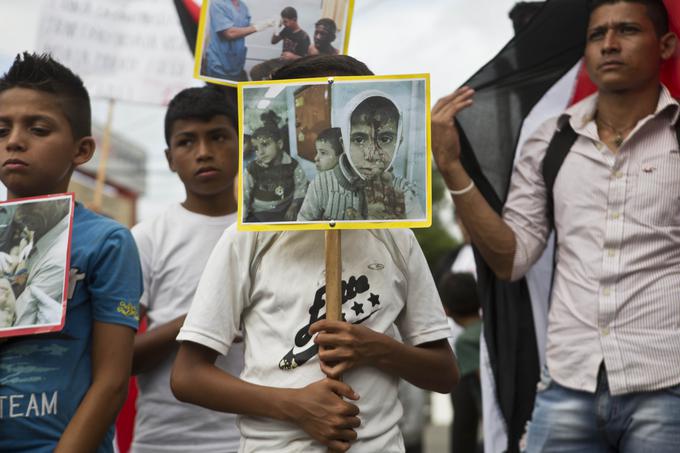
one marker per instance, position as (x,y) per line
(274,284)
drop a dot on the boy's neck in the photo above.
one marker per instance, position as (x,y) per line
(216,205)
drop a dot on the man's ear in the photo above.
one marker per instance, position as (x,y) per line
(168,157)
(84,151)
(668,43)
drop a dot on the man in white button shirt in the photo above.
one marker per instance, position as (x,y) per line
(613,349)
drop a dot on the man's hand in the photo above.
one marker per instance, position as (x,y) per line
(343,346)
(445,139)
(289,56)
(319,409)
(264,24)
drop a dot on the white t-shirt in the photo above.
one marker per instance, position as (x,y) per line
(274,284)
(173,249)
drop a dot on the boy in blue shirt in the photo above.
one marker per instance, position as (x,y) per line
(62,391)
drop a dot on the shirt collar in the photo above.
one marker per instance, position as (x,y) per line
(583,112)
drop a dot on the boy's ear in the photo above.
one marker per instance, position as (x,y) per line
(84,151)
(168,157)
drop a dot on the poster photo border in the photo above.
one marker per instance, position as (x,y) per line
(426,222)
(47,328)
(200,38)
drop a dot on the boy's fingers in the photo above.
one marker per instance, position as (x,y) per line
(342,389)
(447,100)
(325,324)
(337,446)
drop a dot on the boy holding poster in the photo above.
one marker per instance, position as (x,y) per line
(273,284)
(200,132)
(61,392)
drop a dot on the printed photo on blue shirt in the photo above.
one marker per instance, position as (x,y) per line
(34,253)
(345,152)
(248,40)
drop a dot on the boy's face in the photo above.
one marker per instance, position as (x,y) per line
(37,149)
(267,149)
(204,154)
(373,140)
(322,37)
(325,156)
(288,23)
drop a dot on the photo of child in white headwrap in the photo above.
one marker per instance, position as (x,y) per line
(368,165)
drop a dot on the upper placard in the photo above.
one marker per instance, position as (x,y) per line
(344,152)
(251,39)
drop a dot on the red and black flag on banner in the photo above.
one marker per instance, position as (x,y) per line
(189,12)
(537,75)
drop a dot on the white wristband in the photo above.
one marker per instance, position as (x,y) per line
(463,191)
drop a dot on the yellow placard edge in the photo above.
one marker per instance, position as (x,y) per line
(342,224)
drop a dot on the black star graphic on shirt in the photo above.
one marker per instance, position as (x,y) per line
(374,299)
(358,308)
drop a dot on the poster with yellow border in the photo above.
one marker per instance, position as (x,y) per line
(246,40)
(335,153)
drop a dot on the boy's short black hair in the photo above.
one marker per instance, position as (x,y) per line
(289,13)
(458,292)
(267,131)
(322,66)
(333,136)
(41,72)
(656,11)
(201,103)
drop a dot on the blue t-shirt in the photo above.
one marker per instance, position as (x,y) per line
(43,378)
(226,58)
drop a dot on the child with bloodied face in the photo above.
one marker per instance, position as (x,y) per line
(362,185)
(275,184)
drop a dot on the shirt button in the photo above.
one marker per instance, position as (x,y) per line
(615,215)
(599,145)
(606,291)
(605,331)
(611,253)
(618,174)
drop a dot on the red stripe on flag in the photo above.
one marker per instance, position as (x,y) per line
(193,9)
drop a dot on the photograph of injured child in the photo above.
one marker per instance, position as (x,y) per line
(34,243)
(242,40)
(348,152)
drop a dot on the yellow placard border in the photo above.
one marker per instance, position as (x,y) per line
(202,23)
(341,224)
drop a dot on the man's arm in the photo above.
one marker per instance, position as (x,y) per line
(233,33)
(318,408)
(155,345)
(492,236)
(112,346)
(344,346)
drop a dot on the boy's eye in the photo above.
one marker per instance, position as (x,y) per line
(359,139)
(385,138)
(39,131)
(184,143)
(4,131)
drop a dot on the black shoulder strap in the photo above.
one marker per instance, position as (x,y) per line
(558,148)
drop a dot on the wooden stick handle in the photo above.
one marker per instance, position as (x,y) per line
(333,276)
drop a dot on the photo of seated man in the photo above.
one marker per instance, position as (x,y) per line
(274,183)
(32,270)
(324,34)
(296,44)
(362,185)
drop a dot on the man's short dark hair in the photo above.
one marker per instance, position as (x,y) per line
(458,292)
(329,25)
(41,72)
(267,131)
(322,66)
(289,13)
(656,11)
(200,103)
(331,135)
